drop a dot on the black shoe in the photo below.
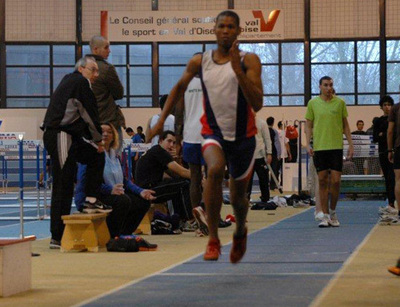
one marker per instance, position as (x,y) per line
(96,207)
(54,244)
(224,224)
(145,246)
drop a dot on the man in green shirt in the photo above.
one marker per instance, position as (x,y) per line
(326,122)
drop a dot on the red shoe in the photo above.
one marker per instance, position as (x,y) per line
(213,250)
(394,270)
(238,247)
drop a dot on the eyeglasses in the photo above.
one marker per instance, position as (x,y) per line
(92,69)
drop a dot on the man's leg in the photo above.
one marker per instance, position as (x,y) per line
(195,184)
(239,203)
(215,160)
(397,185)
(334,188)
(323,183)
(261,169)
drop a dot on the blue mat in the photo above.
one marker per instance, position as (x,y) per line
(286,264)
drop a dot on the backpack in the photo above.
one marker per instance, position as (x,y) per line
(291,132)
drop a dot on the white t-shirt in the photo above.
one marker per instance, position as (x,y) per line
(168,125)
(283,140)
(193,112)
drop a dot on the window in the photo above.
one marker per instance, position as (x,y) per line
(34,71)
(354,67)
(393,67)
(282,72)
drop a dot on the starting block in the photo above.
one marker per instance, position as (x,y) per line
(85,232)
(15,265)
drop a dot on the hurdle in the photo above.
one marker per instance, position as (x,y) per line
(10,146)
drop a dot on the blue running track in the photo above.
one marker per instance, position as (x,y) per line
(286,264)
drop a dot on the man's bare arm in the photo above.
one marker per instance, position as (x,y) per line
(309,131)
(249,81)
(347,133)
(179,170)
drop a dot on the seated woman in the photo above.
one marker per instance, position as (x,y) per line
(128,201)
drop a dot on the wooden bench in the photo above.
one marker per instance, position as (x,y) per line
(84,232)
(16,268)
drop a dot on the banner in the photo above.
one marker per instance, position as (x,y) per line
(11,135)
(176,26)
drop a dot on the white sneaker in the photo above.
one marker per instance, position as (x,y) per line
(319,216)
(389,220)
(334,220)
(388,210)
(325,222)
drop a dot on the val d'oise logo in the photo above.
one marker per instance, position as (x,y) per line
(270,24)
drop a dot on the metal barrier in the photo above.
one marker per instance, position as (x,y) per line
(12,150)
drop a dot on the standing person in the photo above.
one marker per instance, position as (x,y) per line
(276,150)
(188,112)
(139,130)
(135,155)
(380,136)
(169,123)
(263,156)
(326,122)
(393,142)
(72,133)
(107,88)
(232,88)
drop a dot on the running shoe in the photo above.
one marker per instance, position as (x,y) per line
(238,247)
(334,222)
(389,220)
(189,227)
(325,222)
(96,207)
(55,244)
(213,250)
(145,246)
(201,220)
(388,210)
(395,269)
(318,216)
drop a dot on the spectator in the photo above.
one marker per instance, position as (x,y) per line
(168,124)
(380,136)
(128,201)
(129,131)
(263,156)
(107,88)
(139,130)
(135,155)
(360,127)
(150,175)
(72,133)
(276,150)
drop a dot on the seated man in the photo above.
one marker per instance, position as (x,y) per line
(150,170)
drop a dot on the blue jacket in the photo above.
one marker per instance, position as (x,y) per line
(105,189)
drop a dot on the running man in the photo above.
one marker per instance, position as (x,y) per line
(232,90)
(326,122)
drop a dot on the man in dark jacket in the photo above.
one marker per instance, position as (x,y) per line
(73,134)
(107,87)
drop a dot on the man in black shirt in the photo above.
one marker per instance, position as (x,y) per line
(150,171)
(73,134)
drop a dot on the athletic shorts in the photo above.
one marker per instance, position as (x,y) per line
(239,154)
(192,154)
(328,160)
(396,158)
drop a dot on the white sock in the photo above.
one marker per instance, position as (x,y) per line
(91,200)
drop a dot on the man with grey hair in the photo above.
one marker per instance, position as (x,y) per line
(107,87)
(72,133)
